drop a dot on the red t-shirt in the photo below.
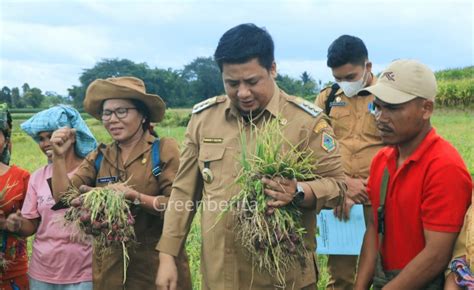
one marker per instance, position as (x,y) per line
(430,191)
(13,247)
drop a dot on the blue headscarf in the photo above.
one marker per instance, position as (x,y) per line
(57,117)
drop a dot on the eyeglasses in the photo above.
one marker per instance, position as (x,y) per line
(120,113)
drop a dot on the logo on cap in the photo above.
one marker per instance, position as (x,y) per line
(389,75)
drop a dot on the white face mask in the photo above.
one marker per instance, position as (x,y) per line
(350,89)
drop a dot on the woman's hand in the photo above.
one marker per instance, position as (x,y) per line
(128,192)
(62,139)
(14,222)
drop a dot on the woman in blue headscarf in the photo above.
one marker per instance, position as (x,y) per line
(57,262)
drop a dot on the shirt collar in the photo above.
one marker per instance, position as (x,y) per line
(430,138)
(110,152)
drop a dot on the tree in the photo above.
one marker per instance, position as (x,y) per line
(34,97)
(76,94)
(289,85)
(25,88)
(5,96)
(204,78)
(105,69)
(305,77)
(17,101)
(310,87)
(169,85)
(53,99)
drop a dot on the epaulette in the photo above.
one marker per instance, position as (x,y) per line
(308,107)
(325,89)
(207,103)
(328,89)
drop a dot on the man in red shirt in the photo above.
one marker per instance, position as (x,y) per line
(419,187)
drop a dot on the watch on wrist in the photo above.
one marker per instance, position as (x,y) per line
(137,200)
(298,197)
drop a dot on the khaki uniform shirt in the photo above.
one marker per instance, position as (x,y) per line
(212,141)
(141,273)
(355,129)
(460,246)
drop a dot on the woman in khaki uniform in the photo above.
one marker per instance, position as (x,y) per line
(126,111)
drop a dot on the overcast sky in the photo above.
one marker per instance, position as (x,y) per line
(48,43)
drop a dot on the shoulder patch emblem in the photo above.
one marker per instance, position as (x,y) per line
(327,142)
(308,107)
(206,104)
(321,125)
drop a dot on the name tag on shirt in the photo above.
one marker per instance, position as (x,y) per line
(107,179)
(337,104)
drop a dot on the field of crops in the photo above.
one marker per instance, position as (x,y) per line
(454,125)
(455,87)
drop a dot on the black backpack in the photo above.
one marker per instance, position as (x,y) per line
(330,99)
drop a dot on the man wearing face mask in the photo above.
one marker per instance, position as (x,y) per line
(355,129)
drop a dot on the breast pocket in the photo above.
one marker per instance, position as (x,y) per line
(211,160)
(371,125)
(341,121)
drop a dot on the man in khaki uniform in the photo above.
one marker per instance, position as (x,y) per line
(355,129)
(209,165)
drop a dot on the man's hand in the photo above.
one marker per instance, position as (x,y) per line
(342,212)
(356,190)
(167,276)
(62,139)
(282,191)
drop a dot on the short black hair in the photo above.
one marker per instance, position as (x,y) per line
(243,43)
(347,49)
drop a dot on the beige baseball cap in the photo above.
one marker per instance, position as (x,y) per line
(403,80)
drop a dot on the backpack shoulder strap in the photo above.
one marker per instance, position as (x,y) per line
(330,99)
(155,152)
(381,208)
(98,161)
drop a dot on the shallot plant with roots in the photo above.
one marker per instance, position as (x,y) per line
(104,214)
(272,239)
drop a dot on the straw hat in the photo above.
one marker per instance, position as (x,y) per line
(122,88)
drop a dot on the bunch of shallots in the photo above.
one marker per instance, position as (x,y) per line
(273,239)
(104,214)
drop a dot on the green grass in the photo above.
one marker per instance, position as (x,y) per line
(454,125)
(457,127)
